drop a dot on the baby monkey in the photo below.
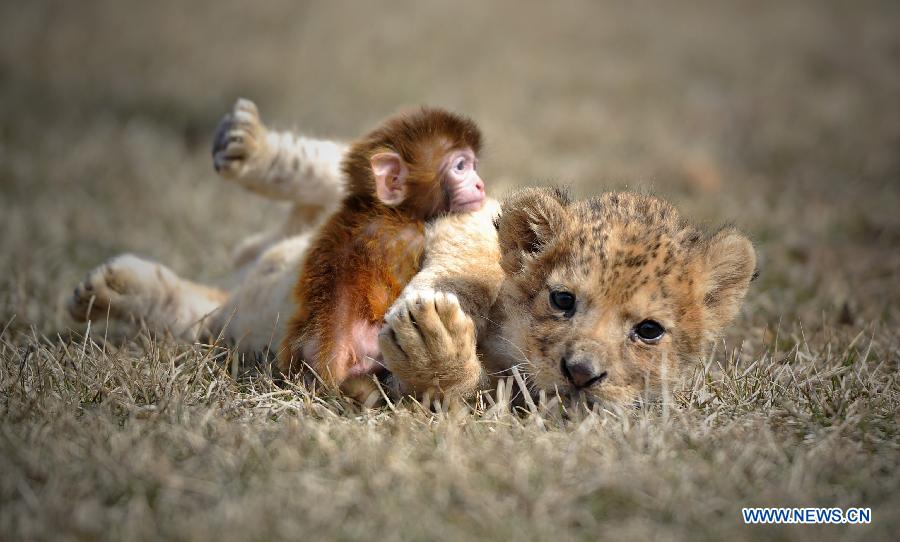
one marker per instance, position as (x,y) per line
(413,168)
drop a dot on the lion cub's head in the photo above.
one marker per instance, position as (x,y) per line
(609,295)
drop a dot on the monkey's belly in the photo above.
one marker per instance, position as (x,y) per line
(364,353)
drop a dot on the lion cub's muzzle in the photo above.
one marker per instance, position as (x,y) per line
(582,371)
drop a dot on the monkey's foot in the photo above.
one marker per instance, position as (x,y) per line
(363,390)
(428,342)
(239,146)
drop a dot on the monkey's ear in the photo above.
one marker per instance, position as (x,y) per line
(390,177)
(530,219)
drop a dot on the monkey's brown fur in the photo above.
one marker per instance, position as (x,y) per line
(367,252)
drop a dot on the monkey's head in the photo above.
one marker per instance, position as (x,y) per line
(422,163)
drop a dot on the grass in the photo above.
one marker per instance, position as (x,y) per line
(781,118)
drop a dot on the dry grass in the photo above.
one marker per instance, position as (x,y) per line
(781,118)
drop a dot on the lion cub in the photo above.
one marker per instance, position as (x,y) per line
(604,298)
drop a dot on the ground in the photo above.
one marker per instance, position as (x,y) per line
(781,118)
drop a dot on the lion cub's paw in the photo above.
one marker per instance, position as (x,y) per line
(123,286)
(429,342)
(240,140)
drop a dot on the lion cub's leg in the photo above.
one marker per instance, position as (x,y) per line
(129,288)
(277,165)
(428,344)
(299,221)
(281,166)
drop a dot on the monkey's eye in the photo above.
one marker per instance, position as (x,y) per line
(649,331)
(564,301)
(460,164)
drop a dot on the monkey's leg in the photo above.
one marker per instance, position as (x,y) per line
(352,361)
(130,289)
(343,354)
(277,165)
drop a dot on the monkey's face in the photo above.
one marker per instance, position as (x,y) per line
(463,187)
(421,163)
(612,297)
(439,181)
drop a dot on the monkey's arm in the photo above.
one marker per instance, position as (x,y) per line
(277,165)
(430,335)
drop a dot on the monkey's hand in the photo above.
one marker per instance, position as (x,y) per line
(428,343)
(240,148)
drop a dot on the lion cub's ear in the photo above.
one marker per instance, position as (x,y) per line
(729,264)
(530,218)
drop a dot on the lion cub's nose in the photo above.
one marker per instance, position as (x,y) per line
(582,373)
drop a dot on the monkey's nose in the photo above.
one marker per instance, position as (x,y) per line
(582,373)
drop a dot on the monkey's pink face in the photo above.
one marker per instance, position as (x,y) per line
(456,188)
(463,186)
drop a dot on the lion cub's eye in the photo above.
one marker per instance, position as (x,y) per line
(564,301)
(649,331)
